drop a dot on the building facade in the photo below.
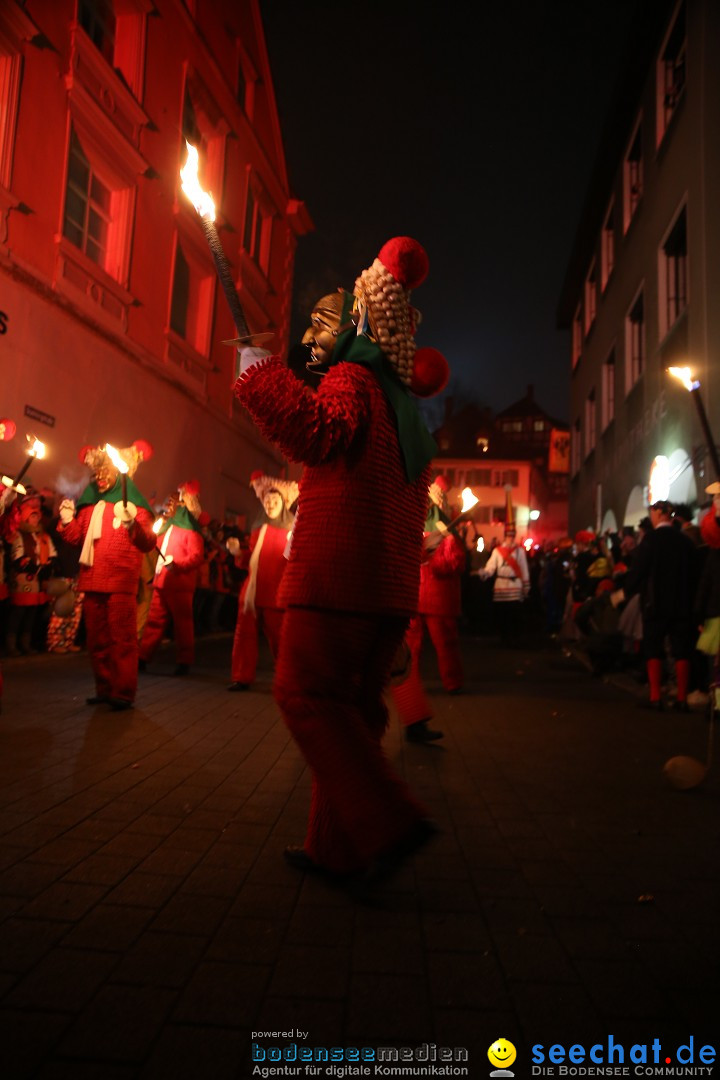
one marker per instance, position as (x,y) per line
(521,452)
(113,315)
(641,289)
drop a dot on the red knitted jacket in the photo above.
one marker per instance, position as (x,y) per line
(357,540)
(117,553)
(440,579)
(188,551)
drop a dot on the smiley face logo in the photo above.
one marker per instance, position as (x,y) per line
(502,1054)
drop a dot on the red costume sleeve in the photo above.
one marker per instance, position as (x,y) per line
(448,558)
(309,427)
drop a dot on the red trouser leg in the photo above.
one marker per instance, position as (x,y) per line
(445,636)
(99,642)
(243,665)
(157,619)
(180,605)
(409,696)
(329,682)
(122,619)
(654,674)
(272,621)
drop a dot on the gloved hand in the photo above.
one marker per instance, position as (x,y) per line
(7,497)
(67,511)
(617,597)
(124,515)
(233,545)
(166,560)
(249,356)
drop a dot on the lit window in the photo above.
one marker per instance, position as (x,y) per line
(590,297)
(635,342)
(87,207)
(590,413)
(632,178)
(97,19)
(670,79)
(607,247)
(191,298)
(672,276)
(577,336)
(538,425)
(257,231)
(575,448)
(608,391)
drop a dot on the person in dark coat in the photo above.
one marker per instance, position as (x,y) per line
(665,573)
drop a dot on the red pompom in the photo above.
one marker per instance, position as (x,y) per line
(406,260)
(203,519)
(443,483)
(257,475)
(192,487)
(430,373)
(7,430)
(144,449)
(84,453)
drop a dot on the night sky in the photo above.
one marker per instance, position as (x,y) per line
(479,141)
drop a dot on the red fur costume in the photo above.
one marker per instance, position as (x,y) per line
(182,551)
(109,572)
(350,585)
(258,604)
(439,607)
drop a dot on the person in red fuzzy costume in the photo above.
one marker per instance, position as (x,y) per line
(182,550)
(113,538)
(264,559)
(352,578)
(438,612)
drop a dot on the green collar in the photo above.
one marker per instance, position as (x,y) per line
(182,518)
(91,495)
(416,443)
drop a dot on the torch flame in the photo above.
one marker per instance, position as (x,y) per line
(201,200)
(37,448)
(480,546)
(117,461)
(684,374)
(157,525)
(468,500)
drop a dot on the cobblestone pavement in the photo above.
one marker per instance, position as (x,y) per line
(150,926)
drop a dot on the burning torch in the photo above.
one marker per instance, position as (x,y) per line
(693,386)
(469,500)
(157,526)
(203,203)
(36,450)
(122,468)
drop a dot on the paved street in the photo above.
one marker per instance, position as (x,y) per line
(150,925)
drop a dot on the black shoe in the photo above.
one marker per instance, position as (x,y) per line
(182,669)
(142,665)
(653,706)
(299,859)
(99,699)
(681,706)
(455,691)
(420,732)
(385,865)
(234,686)
(118,704)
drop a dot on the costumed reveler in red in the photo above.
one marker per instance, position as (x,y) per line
(265,561)
(438,611)
(182,550)
(9,517)
(113,539)
(351,582)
